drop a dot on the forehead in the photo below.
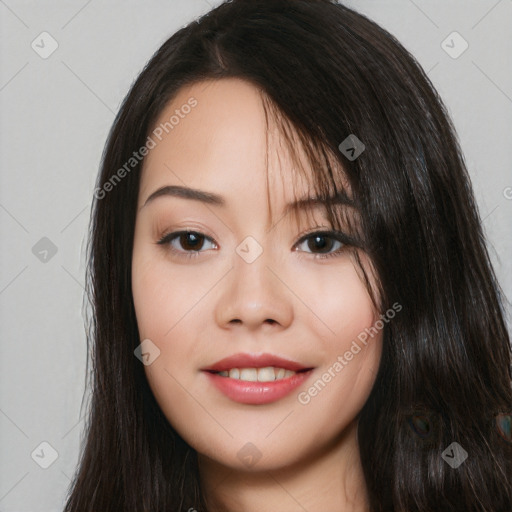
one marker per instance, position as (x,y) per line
(231,143)
(224,142)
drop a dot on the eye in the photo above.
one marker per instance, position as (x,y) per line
(324,242)
(191,242)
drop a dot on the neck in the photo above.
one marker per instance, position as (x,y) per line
(331,480)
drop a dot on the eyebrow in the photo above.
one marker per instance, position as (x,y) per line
(216,200)
(186,193)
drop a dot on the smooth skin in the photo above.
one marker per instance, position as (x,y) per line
(203,308)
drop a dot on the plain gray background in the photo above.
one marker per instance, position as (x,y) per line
(56,113)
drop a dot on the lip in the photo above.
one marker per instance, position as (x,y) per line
(255,361)
(256,393)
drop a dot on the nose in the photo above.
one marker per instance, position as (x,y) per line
(254,295)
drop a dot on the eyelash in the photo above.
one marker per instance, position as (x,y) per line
(335,235)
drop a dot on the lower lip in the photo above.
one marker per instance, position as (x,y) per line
(257,393)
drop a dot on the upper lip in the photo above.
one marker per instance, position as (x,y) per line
(254,361)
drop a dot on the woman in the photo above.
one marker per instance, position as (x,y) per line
(293,304)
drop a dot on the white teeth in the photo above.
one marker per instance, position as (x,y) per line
(249,374)
(267,374)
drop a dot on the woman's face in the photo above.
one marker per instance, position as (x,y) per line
(243,285)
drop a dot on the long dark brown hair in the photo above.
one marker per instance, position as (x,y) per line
(445,372)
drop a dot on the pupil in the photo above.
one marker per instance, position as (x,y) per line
(185,237)
(319,245)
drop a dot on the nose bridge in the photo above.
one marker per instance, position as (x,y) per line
(252,294)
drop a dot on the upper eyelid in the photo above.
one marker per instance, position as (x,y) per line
(321,231)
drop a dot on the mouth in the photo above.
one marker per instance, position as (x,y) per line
(265,374)
(257,379)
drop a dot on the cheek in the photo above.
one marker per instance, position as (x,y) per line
(167,300)
(163,295)
(344,317)
(153,298)
(338,303)
(164,305)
